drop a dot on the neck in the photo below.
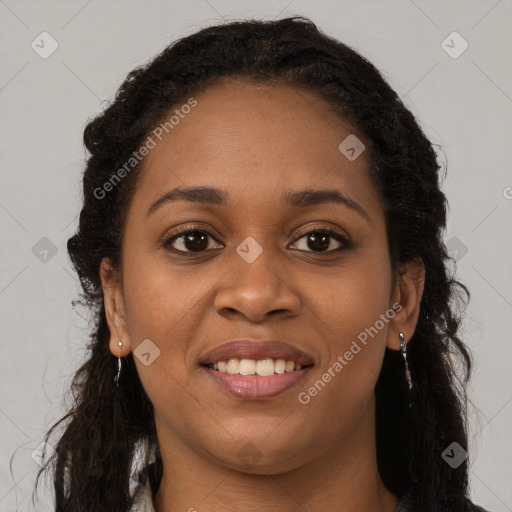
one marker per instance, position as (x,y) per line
(344,478)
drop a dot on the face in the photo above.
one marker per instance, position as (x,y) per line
(259,265)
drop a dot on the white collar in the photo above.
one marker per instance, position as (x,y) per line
(143,499)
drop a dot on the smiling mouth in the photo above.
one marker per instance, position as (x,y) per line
(262,379)
(256,367)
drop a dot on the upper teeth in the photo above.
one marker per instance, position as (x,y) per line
(262,367)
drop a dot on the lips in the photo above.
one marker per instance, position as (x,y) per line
(256,387)
(246,348)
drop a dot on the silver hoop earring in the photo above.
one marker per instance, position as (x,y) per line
(403,348)
(116,378)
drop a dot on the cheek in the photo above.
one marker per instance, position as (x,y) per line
(353,314)
(160,299)
(165,305)
(161,306)
(352,299)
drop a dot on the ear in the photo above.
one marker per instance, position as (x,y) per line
(114,308)
(408,290)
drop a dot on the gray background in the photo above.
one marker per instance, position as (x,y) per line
(463,103)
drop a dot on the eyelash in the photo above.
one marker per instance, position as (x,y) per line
(326,230)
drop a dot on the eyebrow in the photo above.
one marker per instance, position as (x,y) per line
(219,197)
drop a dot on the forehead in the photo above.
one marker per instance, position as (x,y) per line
(256,141)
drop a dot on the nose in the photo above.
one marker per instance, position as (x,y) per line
(257,291)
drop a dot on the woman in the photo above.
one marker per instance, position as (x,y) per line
(276,322)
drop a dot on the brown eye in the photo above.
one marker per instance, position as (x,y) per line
(320,240)
(189,241)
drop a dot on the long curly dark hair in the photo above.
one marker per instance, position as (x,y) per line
(95,451)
